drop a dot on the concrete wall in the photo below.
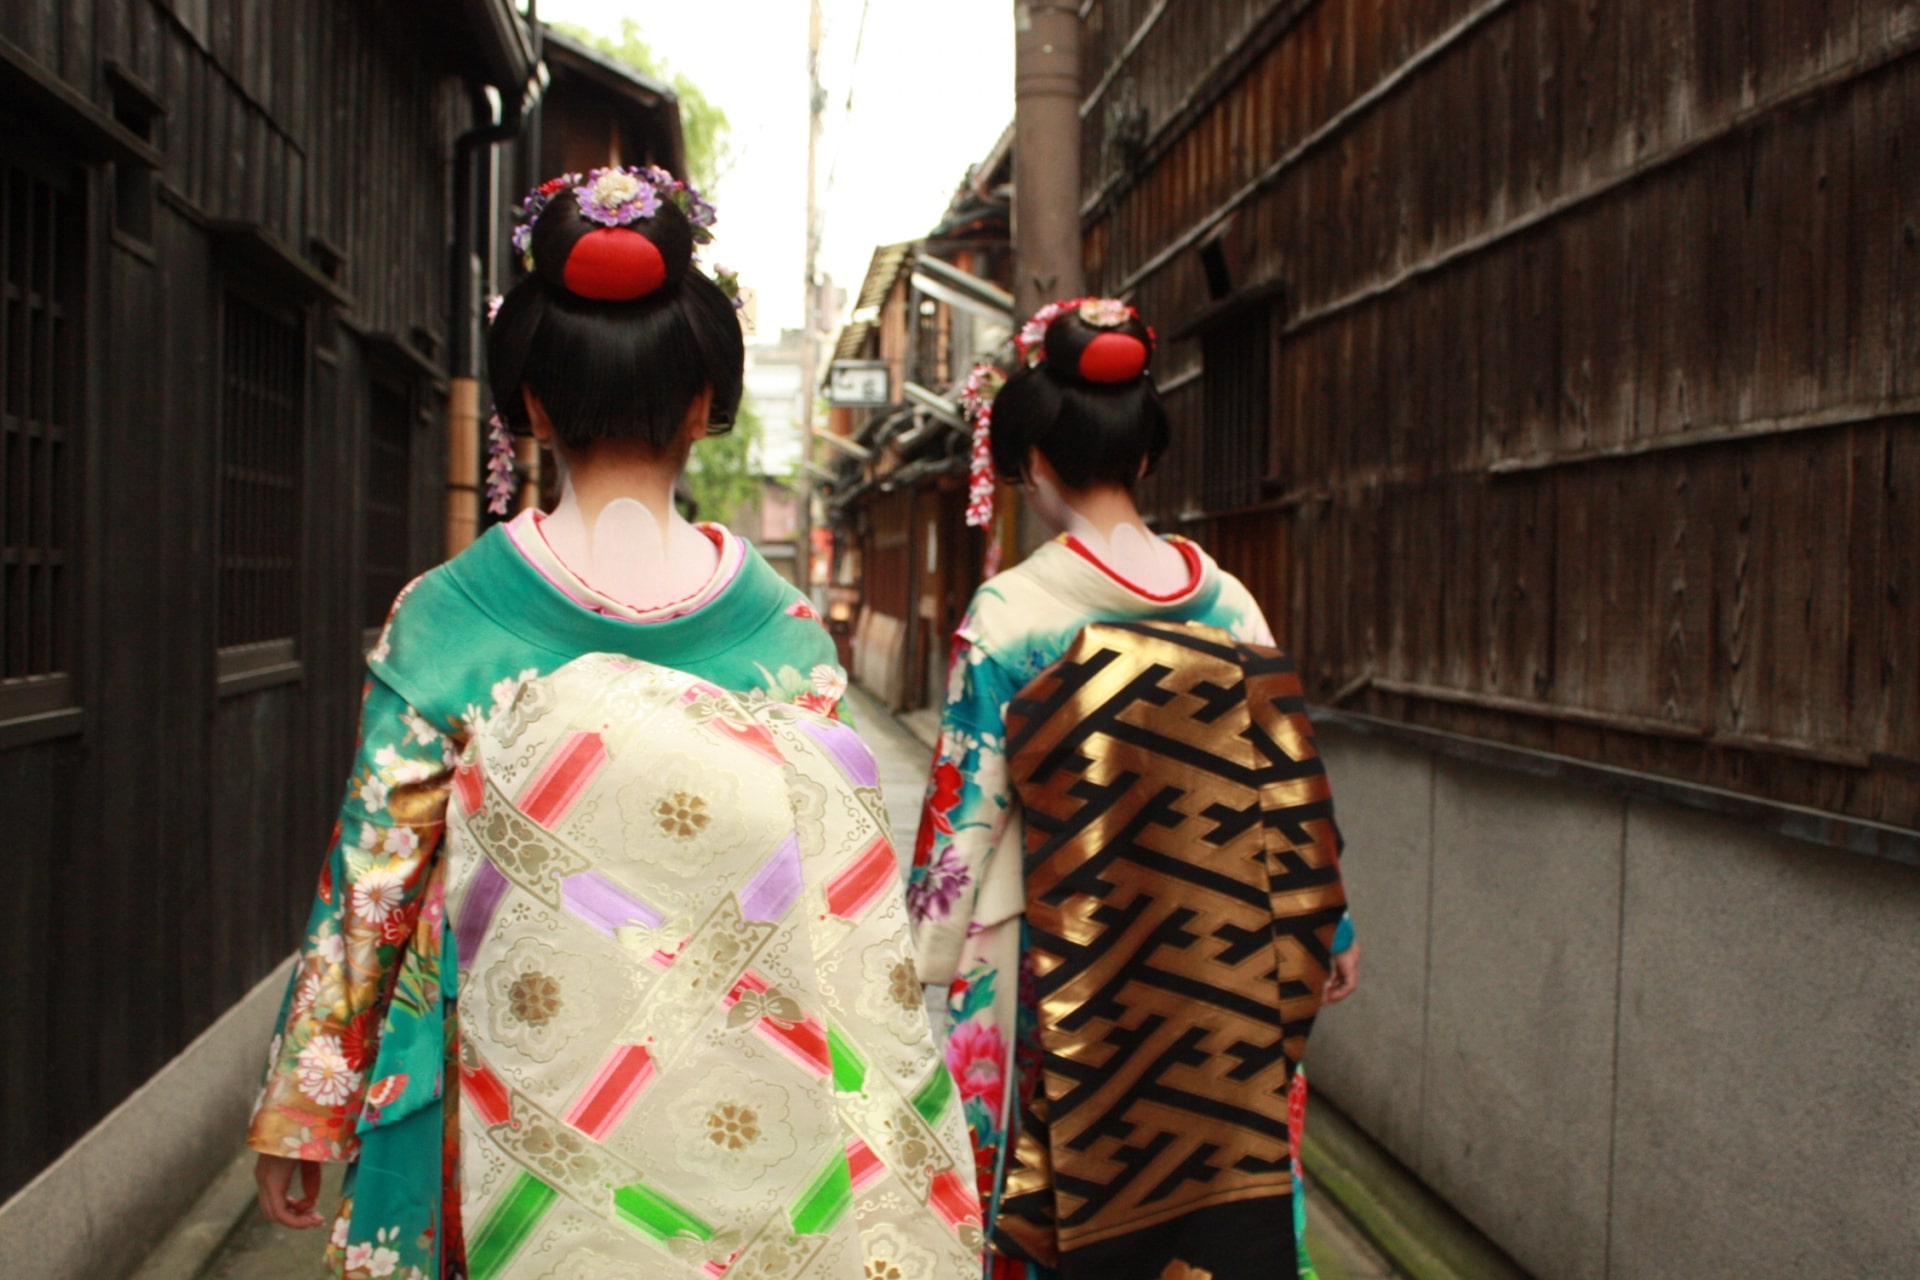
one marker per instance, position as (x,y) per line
(1626,1040)
(97,1210)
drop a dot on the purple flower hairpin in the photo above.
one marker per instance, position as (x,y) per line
(500,465)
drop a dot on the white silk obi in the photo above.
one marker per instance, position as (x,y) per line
(691,1037)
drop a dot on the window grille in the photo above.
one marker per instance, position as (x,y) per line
(1239,409)
(385,532)
(41,228)
(262,438)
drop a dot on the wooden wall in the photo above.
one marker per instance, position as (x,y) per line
(1595,360)
(163,837)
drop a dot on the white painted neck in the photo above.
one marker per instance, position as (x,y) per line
(627,540)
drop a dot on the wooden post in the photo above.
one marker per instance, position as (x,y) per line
(463,464)
(1047,261)
(526,451)
(1046,157)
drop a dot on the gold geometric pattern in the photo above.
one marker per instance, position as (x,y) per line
(1183,887)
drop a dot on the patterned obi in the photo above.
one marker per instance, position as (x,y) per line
(1183,888)
(691,1033)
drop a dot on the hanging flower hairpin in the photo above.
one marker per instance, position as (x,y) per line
(976,400)
(729,284)
(500,459)
(500,465)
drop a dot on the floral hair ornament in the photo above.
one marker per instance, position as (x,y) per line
(976,398)
(1110,358)
(616,261)
(530,210)
(729,284)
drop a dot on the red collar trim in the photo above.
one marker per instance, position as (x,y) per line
(1187,550)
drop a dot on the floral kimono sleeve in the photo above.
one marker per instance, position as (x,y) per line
(967,806)
(366,909)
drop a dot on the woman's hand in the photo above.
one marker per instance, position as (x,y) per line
(1345,976)
(274,1176)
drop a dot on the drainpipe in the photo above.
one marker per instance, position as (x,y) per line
(464,329)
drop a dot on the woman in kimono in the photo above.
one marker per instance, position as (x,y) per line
(608,971)
(1043,931)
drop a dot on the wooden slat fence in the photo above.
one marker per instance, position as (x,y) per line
(1597,360)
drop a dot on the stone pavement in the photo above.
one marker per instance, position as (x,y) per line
(258,1251)
(904,761)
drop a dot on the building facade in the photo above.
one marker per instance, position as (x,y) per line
(905,561)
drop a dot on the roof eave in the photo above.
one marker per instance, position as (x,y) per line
(606,71)
(505,44)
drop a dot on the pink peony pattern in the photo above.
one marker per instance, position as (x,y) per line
(976,1055)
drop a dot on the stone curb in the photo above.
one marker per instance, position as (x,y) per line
(1421,1235)
(96,1211)
(194,1242)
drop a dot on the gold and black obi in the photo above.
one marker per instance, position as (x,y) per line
(1183,887)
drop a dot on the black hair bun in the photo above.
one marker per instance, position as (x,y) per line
(1100,342)
(602,263)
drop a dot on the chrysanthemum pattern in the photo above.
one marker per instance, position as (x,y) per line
(734,1129)
(890,992)
(626,1025)
(370,962)
(892,1256)
(537,998)
(681,818)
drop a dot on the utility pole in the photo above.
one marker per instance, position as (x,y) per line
(1046,156)
(810,303)
(1047,262)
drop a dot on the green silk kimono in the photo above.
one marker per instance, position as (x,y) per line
(359,1068)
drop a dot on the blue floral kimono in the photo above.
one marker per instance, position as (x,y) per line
(967,894)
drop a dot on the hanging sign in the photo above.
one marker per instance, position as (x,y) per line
(858,384)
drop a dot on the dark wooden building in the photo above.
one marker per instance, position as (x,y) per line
(226,231)
(596,111)
(246,249)
(1551,373)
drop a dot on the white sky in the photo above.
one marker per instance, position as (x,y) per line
(931,92)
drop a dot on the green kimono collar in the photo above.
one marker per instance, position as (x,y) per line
(504,585)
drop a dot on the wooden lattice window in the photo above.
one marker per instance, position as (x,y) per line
(262,507)
(41,226)
(385,535)
(1239,409)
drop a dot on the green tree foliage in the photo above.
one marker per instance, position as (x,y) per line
(721,477)
(709,138)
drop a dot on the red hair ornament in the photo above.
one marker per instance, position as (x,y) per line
(1113,357)
(614,264)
